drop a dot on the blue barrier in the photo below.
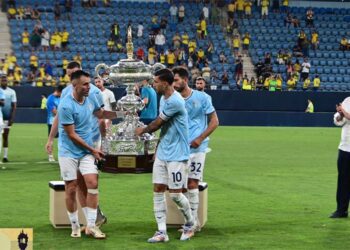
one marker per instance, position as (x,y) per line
(226,100)
(258,108)
(269,118)
(227,118)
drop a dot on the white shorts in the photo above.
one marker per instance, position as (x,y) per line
(69,167)
(6,124)
(197,161)
(171,173)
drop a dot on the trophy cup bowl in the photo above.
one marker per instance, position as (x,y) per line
(125,151)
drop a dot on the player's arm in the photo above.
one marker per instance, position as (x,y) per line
(54,111)
(212,125)
(113,101)
(13,113)
(145,100)
(150,128)
(114,106)
(70,131)
(340,115)
(104,114)
(2,102)
(338,119)
(102,127)
(52,135)
(164,116)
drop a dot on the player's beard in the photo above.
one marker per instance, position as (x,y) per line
(180,88)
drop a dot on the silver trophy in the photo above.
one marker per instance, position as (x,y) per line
(120,138)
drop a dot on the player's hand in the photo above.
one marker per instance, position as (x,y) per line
(196,143)
(49,147)
(98,154)
(338,108)
(343,112)
(139,131)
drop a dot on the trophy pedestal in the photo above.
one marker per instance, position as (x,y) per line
(174,217)
(58,211)
(128,164)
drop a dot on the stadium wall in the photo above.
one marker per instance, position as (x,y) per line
(235,108)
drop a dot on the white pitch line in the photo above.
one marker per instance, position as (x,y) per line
(26,163)
(15,163)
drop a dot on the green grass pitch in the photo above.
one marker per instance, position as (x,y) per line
(269,188)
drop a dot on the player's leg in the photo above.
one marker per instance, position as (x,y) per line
(89,171)
(51,157)
(160,180)
(195,175)
(68,168)
(5,142)
(1,131)
(82,193)
(101,218)
(177,176)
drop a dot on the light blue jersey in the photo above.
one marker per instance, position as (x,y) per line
(10,97)
(96,95)
(2,97)
(173,145)
(198,106)
(80,115)
(51,104)
(150,110)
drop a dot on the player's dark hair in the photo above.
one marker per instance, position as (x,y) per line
(165,75)
(181,71)
(73,64)
(59,88)
(79,73)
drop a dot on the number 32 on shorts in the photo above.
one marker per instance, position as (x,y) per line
(196,167)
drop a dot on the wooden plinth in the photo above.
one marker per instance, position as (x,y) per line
(128,164)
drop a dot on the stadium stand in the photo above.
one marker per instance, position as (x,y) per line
(89,33)
(328,61)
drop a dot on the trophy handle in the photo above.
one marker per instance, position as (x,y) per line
(99,67)
(156,67)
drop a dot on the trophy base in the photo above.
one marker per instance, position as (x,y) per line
(128,164)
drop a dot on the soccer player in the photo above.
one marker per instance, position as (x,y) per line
(8,111)
(171,164)
(52,105)
(94,93)
(202,121)
(149,98)
(76,150)
(200,84)
(108,98)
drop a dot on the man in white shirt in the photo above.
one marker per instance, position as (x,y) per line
(159,41)
(173,12)
(305,69)
(140,29)
(342,118)
(109,101)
